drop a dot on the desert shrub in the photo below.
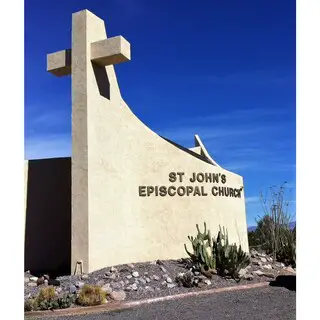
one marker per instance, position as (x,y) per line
(46,299)
(216,254)
(29,305)
(91,296)
(273,234)
(66,301)
(186,280)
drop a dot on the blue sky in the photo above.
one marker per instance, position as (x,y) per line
(222,69)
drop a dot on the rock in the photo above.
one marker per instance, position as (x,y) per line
(269,259)
(134,287)
(156,278)
(116,285)
(146,273)
(254,253)
(118,295)
(159,262)
(258,273)
(163,283)
(126,281)
(33,279)
(135,274)
(248,276)
(196,273)
(112,276)
(264,260)
(153,262)
(207,281)
(163,269)
(262,255)
(169,280)
(84,277)
(129,276)
(106,288)
(79,284)
(46,282)
(290,269)
(269,274)
(207,274)
(72,289)
(242,273)
(113,269)
(130,265)
(170,285)
(148,288)
(58,290)
(142,281)
(54,282)
(32,284)
(157,289)
(257,263)
(148,280)
(165,276)
(248,267)
(26,280)
(100,283)
(267,266)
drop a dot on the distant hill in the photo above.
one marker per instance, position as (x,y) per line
(253,228)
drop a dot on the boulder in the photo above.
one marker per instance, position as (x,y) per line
(118,295)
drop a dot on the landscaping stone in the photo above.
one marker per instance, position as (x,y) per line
(264,260)
(258,272)
(129,276)
(269,274)
(33,279)
(163,269)
(242,273)
(135,274)
(159,262)
(32,284)
(267,266)
(118,295)
(84,277)
(148,280)
(134,286)
(170,285)
(106,288)
(169,280)
(207,282)
(72,289)
(79,284)
(155,277)
(130,265)
(113,269)
(26,280)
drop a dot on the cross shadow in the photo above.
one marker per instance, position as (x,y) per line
(288,282)
(102,79)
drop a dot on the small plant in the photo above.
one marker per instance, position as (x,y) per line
(46,299)
(91,296)
(29,305)
(66,301)
(186,279)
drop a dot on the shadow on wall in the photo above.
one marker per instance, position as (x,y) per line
(48,217)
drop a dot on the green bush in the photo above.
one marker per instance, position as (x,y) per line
(29,305)
(216,255)
(91,296)
(46,299)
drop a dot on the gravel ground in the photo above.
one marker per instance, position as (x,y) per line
(155,278)
(268,303)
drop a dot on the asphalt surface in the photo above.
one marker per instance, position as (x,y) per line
(268,303)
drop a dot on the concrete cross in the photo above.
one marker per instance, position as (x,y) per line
(104,53)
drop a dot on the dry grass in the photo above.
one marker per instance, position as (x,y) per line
(91,296)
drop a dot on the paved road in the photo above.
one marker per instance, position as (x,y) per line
(269,303)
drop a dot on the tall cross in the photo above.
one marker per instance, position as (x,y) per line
(95,92)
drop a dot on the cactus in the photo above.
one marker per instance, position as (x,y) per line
(230,258)
(210,254)
(202,247)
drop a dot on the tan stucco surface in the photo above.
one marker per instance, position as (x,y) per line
(113,153)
